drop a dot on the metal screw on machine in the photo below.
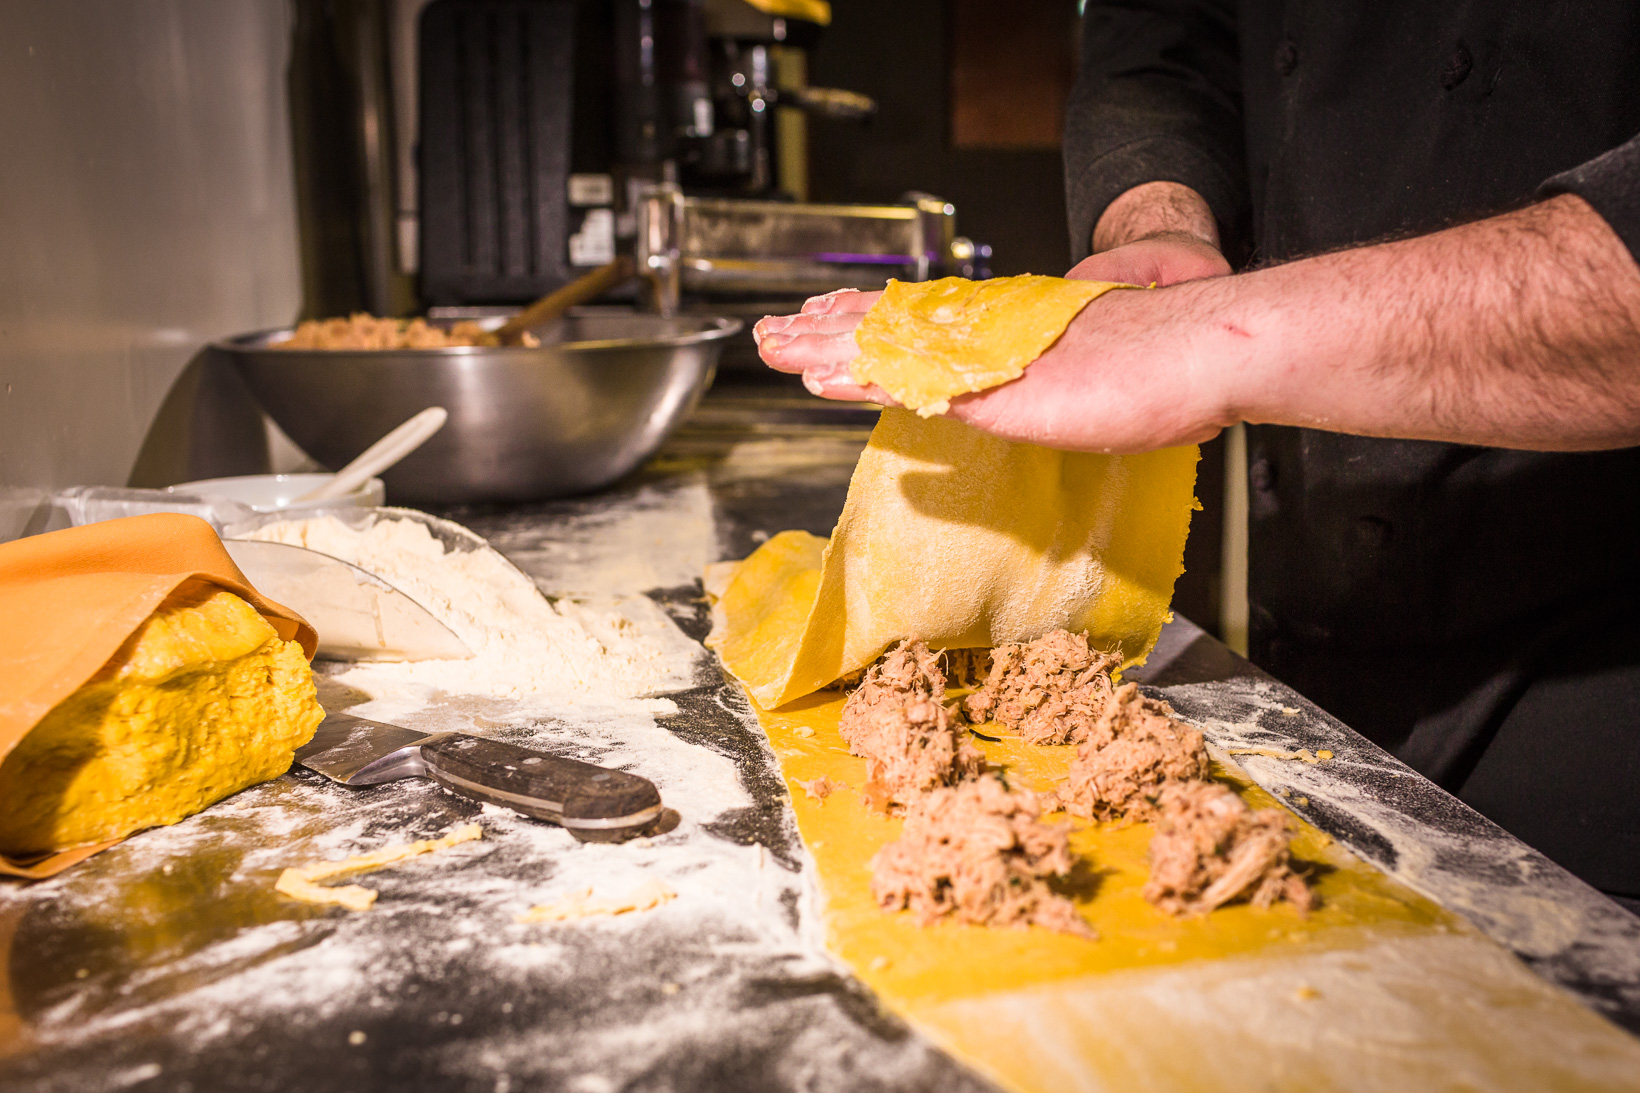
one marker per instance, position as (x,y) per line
(594,803)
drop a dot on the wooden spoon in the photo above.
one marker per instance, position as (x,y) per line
(579,291)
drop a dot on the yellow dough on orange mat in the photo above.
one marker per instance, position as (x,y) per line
(202,701)
(927,342)
(141,678)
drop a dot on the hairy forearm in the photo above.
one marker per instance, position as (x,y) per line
(1522,331)
(1155,209)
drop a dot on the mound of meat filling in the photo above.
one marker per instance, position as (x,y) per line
(977,853)
(909,749)
(907,671)
(1132,750)
(897,721)
(1050,690)
(364,331)
(1210,849)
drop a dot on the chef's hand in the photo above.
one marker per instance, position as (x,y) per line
(1117,380)
(1157,233)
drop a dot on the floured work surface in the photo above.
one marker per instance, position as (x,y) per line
(1379,988)
(170,961)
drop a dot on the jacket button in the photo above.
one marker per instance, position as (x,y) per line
(1286,57)
(1457,67)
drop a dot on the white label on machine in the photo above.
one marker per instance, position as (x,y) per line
(594,244)
(585,190)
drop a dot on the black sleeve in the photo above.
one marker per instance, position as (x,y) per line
(1611,184)
(1157,100)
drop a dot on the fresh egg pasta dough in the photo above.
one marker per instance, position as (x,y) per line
(141,678)
(952,535)
(202,701)
(929,341)
(965,541)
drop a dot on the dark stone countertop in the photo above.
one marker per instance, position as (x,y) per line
(168,963)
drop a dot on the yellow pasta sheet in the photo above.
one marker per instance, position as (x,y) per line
(965,541)
(926,342)
(1377,989)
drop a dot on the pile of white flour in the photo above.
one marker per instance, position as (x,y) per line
(525,647)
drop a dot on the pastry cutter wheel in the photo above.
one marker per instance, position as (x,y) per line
(595,804)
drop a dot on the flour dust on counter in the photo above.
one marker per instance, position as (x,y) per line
(170,960)
(661,535)
(1387,814)
(173,951)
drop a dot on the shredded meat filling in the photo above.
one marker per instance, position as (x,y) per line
(818,789)
(1210,849)
(1134,749)
(905,672)
(363,331)
(911,748)
(966,667)
(896,720)
(977,853)
(1050,690)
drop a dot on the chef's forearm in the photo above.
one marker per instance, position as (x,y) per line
(1522,330)
(1155,209)
(1518,331)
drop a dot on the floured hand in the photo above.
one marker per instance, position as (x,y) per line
(1115,382)
(818,343)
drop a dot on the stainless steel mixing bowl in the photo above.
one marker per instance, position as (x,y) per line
(525,423)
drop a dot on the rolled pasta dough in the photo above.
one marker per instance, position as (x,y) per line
(965,541)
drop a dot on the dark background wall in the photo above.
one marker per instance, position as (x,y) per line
(971,100)
(911,55)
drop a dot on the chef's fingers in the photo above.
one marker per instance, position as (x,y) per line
(770,324)
(801,352)
(839,384)
(794,325)
(843,301)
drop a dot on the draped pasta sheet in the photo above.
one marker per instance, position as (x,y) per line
(965,541)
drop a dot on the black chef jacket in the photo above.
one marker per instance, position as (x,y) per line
(1473,609)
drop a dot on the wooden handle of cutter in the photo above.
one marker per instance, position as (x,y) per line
(578,291)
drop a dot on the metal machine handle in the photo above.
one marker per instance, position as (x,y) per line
(830,102)
(595,803)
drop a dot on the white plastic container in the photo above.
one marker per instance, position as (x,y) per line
(278,492)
